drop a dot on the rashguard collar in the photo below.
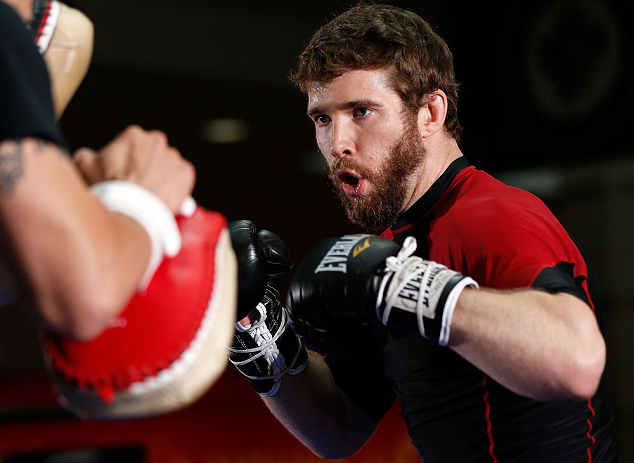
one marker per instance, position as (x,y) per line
(425,203)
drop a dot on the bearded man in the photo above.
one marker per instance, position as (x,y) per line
(475,308)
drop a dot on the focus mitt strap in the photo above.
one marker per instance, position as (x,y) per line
(151,213)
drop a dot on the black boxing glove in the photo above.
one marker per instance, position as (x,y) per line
(267,349)
(263,260)
(329,299)
(362,278)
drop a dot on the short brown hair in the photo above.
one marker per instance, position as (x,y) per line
(384,36)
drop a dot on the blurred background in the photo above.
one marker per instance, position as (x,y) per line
(546,92)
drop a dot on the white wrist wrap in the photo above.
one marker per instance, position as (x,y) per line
(419,292)
(150,212)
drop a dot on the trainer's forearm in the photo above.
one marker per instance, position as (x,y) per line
(117,256)
(313,409)
(78,262)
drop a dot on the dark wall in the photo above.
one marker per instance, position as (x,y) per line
(541,84)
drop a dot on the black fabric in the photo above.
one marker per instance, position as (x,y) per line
(561,279)
(419,209)
(365,367)
(26,104)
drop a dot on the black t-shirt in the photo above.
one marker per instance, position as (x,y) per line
(26,104)
(504,238)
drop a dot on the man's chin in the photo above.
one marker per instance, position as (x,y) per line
(370,219)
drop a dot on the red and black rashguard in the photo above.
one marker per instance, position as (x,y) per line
(503,237)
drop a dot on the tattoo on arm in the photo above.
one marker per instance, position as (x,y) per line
(11,166)
(40,145)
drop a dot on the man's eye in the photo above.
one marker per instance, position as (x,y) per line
(361,112)
(322,119)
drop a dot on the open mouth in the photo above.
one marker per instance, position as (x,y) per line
(352,183)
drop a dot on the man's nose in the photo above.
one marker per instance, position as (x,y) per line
(342,139)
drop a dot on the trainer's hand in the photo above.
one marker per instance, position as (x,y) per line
(142,157)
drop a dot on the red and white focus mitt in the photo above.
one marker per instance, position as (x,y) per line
(170,343)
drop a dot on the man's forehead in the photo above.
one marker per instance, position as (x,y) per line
(374,77)
(316,92)
(351,85)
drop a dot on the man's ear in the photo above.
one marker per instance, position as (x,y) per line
(431,116)
(68,55)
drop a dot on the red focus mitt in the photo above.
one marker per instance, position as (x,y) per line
(169,344)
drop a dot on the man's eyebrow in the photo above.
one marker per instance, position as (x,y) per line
(313,111)
(349,105)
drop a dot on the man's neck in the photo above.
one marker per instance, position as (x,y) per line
(437,159)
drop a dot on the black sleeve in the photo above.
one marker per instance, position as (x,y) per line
(360,376)
(561,279)
(26,104)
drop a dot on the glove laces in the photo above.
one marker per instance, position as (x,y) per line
(393,266)
(263,338)
(404,270)
(267,348)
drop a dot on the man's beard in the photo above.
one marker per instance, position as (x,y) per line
(379,209)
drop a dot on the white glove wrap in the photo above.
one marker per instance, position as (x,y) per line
(150,212)
(422,289)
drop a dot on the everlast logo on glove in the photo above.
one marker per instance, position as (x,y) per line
(336,257)
(359,248)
